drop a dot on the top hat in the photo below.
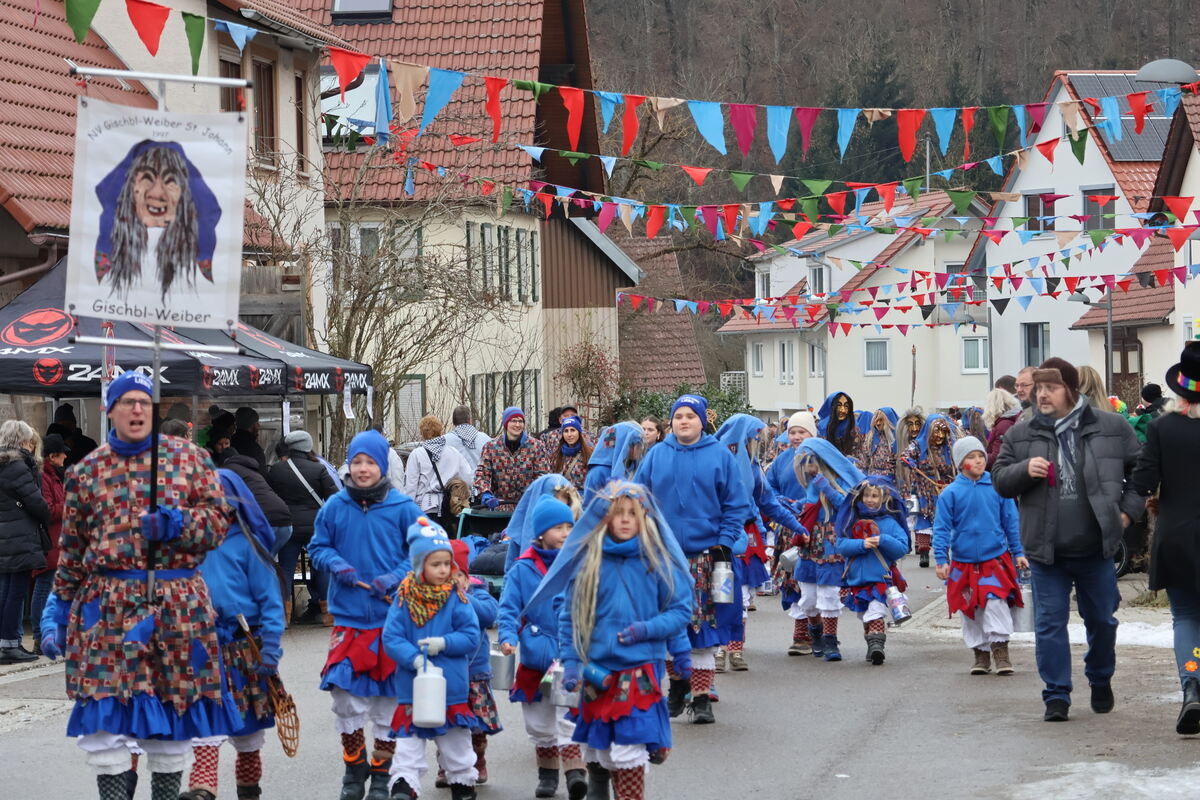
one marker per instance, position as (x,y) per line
(1184,378)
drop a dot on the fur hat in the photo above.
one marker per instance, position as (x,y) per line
(1060,371)
(964,447)
(549,512)
(425,537)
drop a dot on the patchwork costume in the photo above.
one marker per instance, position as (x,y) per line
(931,468)
(878,453)
(507,468)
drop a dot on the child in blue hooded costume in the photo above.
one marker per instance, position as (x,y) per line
(701,493)
(242,580)
(741,434)
(359,539)
(931,468)
(878,455)
(829,477)
(618,452)
(871,525)
(624,595)
(432,619)
(520,525)
(536,630)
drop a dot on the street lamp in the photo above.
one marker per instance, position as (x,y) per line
(1107,305)
(1166,70)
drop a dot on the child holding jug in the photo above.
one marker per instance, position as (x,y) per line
(432,632)
(976,537)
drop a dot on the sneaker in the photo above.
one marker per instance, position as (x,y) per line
(800,647)
(737,661)
(1057,711)
(752,607)
(701,710)
(677,696)
(983,662)
(719,656)
(1102,699)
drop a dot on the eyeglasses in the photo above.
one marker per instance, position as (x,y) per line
(134,402)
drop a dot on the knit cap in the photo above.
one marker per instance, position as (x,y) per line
(128,382)
(571,422)
(425,537)
(299,442)
(509,414)
(803,419)
(550,512)
(462,555)
(964,447)
(371,444)
(53,443)
(693,401)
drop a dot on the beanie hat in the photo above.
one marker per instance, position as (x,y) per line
(1151,392)
(571,422)
(53,443)
(805,420)
(128,382)
(510,413)
(66,413)
(693,401)
(1068,376)
(245,418)
(424,537)
(371,444)
(964,447)
(550,512)
(299,441)
(462,555)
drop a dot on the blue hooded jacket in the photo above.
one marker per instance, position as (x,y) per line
(781,475)
(457,623)
(894,540)
(486,609)
(734,434)
(534,628)
(700,490)
(610,459)
(520,525)
(862,420)
(974,524)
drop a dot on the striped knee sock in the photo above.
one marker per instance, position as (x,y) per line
(571,755)
(829,626)
(800,631)
(702,681)
(736,647)
(204,767)
(353,745)
(874,626)
(629,784)
(248,768)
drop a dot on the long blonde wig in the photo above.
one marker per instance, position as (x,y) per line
(568,494)
(801,464)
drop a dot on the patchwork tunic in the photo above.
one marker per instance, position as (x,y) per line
(507,474)
(146,667)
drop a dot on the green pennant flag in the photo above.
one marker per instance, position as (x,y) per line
(929,222)
(689,215)
(886,231)
(193,25)
(538,89)
(79,16)
(654,165)
(949,233)
(573,157)
(913,186)
(1079,145)
(779,249)
(506,198)
(1019,221)
(1066,262)
(1099,235)
(740,179)
(352,141)
(833,229)
(811,207)
(961,198)
(998,116)
(857,264)
(817,187)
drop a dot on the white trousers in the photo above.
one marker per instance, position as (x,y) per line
(620,756)
(455,754)
(992,625)
(875,610)
(242,744)
(546,724)
(110,753)
(353,712)
(816,597)
(704,658)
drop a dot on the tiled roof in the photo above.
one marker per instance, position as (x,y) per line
(659,350)
(286,15)
(1139,304)
(37,109)
(496,37)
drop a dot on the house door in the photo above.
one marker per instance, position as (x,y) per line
(1127,365)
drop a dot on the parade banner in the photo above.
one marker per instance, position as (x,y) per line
(156,216)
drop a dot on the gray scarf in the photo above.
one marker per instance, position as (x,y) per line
(467,433)
(1066,430)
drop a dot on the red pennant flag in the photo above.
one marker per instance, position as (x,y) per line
(1072,283)
(999,281)
(968,122)
(1180,274)
(801,228)
(879,312)
(1160,275)
(458,140)
(629,121)
(995,236)
(702,306)
(1124,285)
(833,328)
(492,106)
(486,187)
(846,328)
(1037,112)
(837,201)
(148,20)
(635,300)
(1138,107)
(725,307)
(1178,206)
(348,65)
(572,98)
(903,309)
(806,117)
(697,174)
(744,119)
(1095,105)
(547,202)
(1016,282)
(1180,235)
(787,203)
(903,329)
(908,120)
(887,193)
(730,213)
(1047,148)
(654,220)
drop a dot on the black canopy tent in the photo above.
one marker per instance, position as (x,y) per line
(38,355)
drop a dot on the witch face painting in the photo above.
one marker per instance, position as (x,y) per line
(157,211)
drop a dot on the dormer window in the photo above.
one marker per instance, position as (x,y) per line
(359,11)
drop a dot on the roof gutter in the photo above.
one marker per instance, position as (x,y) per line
(37,269)
(286,34)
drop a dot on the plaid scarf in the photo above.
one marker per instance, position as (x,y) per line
(424,600)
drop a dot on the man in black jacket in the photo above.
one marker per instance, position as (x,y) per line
(1069,468)
(277,512)
(245,438)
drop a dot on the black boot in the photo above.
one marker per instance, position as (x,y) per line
(130,776)
(165,785)
(677,696)
(814,632)
(402,791)
(247,791)
(459,791)
(829,646)
(197,794)
(379,779)
(598,782)
(702,713)
(1188,723)
(924,559)
(875,647)
(577,785)
(354,782)
(547,785)
(112,787)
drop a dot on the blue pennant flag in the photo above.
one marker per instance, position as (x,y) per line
(443,83)
(860,194)
(996,163)
(779,121)
(951,308)
(1025,236)
(1112,118)
(609,162)
(608,104)
(945,174)
(239,33)
(943,123)
(709,122)
(1024,300)
(680,305)
(692,306)
(846,118)
(1170,99)
(534,152)
(1019,113)
(410,187)
(383,105)
(1039,284)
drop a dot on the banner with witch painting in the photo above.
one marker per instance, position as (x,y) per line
(156,216)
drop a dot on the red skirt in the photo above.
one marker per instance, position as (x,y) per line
(635,688)
(970,585)
(458,715)
(527,685)
(363,648)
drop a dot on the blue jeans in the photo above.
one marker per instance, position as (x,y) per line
(289,556)
(1185,620)
(42,585)
(13,586)
(1095,581)
(283,534)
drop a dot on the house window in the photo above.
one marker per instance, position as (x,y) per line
(974,280)
(492,392)
(521,238)
(817,280)
(974,355)
(1189,331)
(535,261)
(409,407)
(816,361)
(351,7)
(1096,219)
(504,261)
(1035,209)
(231,99)
(762,284)
(877,357)
(756,359)
(787,362)
(487,256)
(301,99)
(1036,338)
(265,145)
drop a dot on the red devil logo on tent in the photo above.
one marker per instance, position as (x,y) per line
(255,376)
(206,376)
(47,371)
(37,328)
(339,380)
(298,377)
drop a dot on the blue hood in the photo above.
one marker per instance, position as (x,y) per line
(851,512)
(520,525)
(825,415)
(848,475)
(734,433)
(893,418)
(249,513)
(923,437)
(862,420)
(625,435)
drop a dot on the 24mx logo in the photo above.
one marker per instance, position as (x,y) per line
(47,371)
(86,373)
(37,327)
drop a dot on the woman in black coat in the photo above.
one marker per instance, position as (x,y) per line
(1167,465)
(24,542)
(297,491)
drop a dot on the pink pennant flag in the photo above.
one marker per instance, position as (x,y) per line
(608,211)
(744,119)
(880,311)
(807,117)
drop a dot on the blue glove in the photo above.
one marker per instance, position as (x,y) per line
(54,643)
(162,525)
(384,584)
(683,664)
(270,653)
(489,500)
(633,634)
(343,573)
(571,676)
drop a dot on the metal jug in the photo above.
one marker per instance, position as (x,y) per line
(429,696)
(788,560)
(898,605)
(1022,617)
(559,696)
(504,668)
(721,585)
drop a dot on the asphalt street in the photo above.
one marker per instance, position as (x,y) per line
(791,727)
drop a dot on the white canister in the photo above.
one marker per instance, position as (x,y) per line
(1022,617)
(721,585)
(898,605)
(429,696)
(504,668)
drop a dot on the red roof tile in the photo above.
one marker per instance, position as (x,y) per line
(37,109)
(1140,304)
(286,15)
